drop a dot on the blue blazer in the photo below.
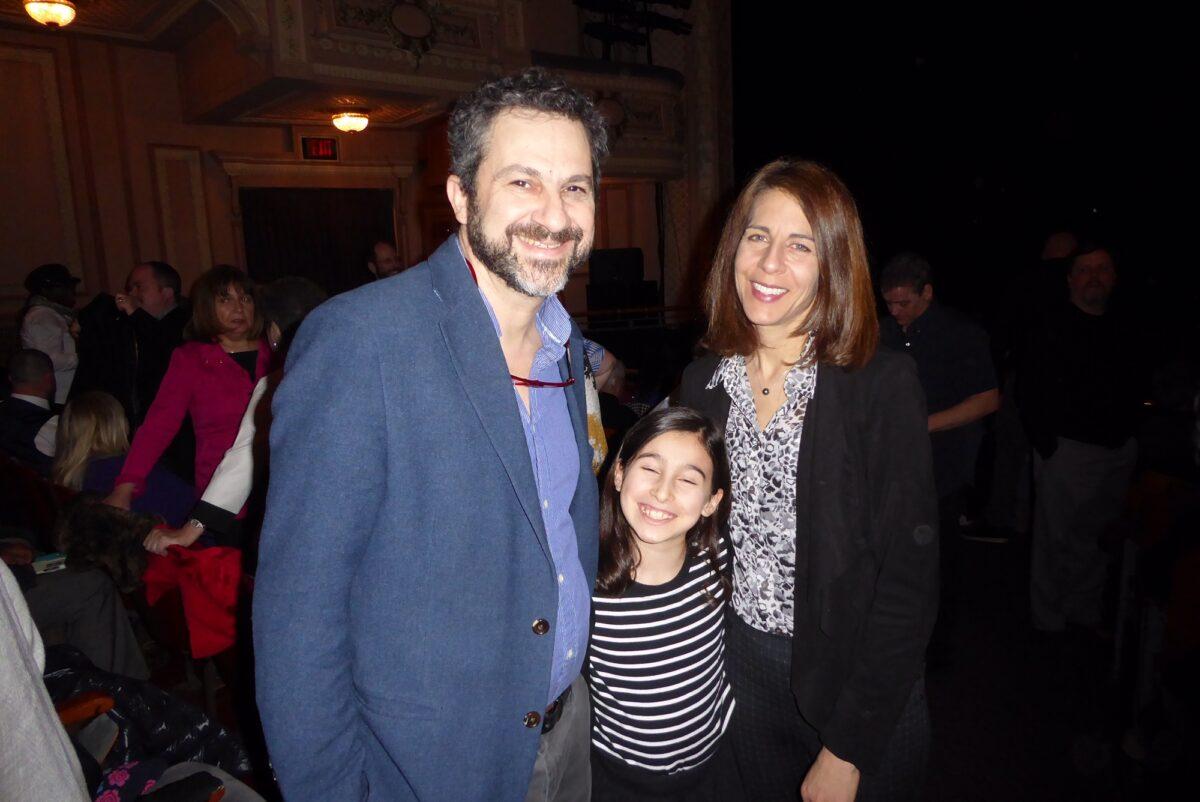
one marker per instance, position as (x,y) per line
(403,558)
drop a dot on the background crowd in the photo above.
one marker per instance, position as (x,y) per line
(138,422)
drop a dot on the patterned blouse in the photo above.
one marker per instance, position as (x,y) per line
(762,523)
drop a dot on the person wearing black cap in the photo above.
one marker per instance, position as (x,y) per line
(48,322)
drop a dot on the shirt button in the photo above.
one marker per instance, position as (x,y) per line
(570,653)
(561,579)
(541,626)
(545,504)
(532,719)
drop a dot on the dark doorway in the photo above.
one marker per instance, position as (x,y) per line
(321,234)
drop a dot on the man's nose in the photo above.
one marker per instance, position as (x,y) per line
(552,213)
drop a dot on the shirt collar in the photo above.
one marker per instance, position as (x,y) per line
(37,401)
(922,322)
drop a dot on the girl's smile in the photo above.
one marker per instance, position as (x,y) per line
(666,487)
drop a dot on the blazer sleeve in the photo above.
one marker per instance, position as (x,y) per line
(328,485)
(233,479)
(902,503)
(162,422)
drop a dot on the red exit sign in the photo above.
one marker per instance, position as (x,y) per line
(319,148)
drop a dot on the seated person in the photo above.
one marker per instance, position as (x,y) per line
(81,608)
(27,421)
(92,439)
(37,757)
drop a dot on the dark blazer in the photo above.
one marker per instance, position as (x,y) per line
(404,558)
(20,422)
(866,548)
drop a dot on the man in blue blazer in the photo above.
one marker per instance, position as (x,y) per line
(422,600)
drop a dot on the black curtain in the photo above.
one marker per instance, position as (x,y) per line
(321,234)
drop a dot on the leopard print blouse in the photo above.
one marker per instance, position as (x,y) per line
(762,523)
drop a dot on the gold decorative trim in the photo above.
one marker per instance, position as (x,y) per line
(241,166)
(399,79)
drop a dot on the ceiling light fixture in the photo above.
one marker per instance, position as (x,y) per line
(350,121)
(51,13)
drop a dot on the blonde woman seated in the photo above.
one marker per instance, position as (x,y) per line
(92,440)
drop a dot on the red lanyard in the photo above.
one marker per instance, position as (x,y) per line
(521,381)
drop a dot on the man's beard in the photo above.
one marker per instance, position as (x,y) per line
(537,278)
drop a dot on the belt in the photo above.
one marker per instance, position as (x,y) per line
(554,711)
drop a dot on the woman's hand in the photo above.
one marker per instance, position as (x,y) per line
(830,779)
(121,496)
(159,540)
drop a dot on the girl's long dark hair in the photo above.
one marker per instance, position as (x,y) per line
(618,543)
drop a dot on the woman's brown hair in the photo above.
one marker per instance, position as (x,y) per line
(843,308)
(204,325)
(618,543)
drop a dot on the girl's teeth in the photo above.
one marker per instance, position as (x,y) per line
(656,515)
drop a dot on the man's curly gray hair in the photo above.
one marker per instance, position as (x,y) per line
(535,89)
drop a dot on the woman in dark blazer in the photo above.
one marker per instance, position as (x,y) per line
(834,517)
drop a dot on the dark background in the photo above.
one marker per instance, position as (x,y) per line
(967,136)
(320,234)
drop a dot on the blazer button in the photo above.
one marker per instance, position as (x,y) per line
(532,719)
(541,626)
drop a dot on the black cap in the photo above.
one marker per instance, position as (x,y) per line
(51,275)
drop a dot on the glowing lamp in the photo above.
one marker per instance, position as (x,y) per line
(51,13)
(350,121)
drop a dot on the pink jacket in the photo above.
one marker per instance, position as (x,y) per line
(206,383)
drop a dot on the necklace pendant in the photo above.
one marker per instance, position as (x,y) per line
(766,391)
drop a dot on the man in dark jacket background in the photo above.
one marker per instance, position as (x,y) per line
(125,345)
(1079,398)
(28,425)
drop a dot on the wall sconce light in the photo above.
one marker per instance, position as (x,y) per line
(350,121)
(51,13)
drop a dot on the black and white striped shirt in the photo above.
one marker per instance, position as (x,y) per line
(656,667)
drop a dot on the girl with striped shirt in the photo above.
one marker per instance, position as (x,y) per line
(656,662)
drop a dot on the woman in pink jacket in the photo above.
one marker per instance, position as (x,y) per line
(210,378)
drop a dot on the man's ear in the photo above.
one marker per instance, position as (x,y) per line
(927,292)
(457,196)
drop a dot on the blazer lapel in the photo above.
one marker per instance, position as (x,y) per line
(479,363)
